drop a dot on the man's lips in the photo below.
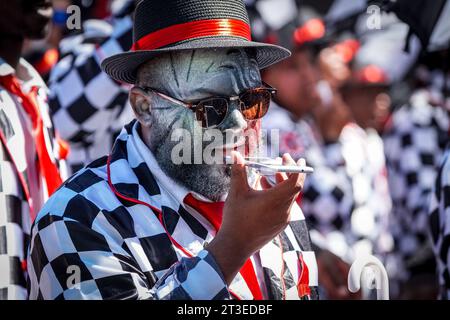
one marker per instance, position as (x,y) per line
(232,146)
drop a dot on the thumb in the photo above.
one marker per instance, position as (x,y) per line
(239,180)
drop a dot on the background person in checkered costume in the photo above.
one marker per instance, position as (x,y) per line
(30,168)
(346,200)
(439,225)
(89,107)
(135,225)
(439,212)
(415,140)
(369,95)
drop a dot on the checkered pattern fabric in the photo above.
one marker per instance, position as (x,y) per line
(88,107)
(15,224)
(90,243)
(439,220)
(15,218)
(414,145)
(346,199)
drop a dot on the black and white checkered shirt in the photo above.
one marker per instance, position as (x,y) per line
(105,235)
(88,107)
(439,220)
(414,144)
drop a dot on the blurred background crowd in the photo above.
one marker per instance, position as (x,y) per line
(364,98)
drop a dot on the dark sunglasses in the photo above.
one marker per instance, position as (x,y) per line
(211,112)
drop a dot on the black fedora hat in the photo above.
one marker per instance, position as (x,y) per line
(172,25)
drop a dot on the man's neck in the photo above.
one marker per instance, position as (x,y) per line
(11,49)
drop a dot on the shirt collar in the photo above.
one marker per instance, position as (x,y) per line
(24,72)
(5,68)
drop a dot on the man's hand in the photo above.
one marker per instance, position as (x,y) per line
(252,218)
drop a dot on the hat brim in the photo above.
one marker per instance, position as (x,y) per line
(123,66)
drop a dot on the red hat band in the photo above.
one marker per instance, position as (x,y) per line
(192,30)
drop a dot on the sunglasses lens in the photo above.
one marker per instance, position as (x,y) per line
(255,104)
(211,112)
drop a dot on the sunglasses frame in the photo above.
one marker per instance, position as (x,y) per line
(193,106)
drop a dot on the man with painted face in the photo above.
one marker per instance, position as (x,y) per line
(140,224)
(29,166)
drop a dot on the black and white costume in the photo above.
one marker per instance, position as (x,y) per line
(126,227)
(415,141)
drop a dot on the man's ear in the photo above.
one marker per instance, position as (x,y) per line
(141,104)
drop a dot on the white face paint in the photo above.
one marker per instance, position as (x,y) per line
(197,74)
(191,76)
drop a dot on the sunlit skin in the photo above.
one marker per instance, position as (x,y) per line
(332,114)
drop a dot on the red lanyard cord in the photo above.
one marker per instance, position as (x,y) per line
(48,169)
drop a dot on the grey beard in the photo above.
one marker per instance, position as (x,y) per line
(210,181)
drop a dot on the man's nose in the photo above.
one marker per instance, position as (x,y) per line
(235,120)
